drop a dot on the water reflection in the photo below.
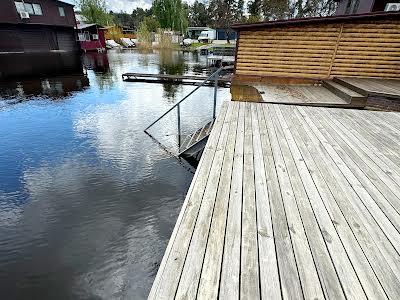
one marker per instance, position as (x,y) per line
(98,62)
(54,87)
(87,200)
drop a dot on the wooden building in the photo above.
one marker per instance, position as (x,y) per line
(91,37)
(366,45)
(346,7)
(34,31)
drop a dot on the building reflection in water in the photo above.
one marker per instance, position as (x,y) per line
(53,87)
(98,62)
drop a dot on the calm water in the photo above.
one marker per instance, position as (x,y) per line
(87,200)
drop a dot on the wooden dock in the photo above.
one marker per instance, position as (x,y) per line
(175,79)
(290,202)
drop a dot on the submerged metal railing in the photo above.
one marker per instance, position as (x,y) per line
(213,77)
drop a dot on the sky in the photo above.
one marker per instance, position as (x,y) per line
(126,5)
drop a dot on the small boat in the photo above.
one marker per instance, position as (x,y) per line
(126,42)
(112,44)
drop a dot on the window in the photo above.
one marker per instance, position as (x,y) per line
(31,8)
(81,37)
(37,9)
(352,6)
(87,36)
(20,6)
(61,11)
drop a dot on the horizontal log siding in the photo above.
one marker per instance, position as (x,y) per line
(321,51)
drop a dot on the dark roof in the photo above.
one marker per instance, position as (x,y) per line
(375,15)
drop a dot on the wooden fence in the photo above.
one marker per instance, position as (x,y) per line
(360,49)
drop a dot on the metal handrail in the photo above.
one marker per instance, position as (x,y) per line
(215,75)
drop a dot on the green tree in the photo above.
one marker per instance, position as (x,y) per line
(122,19)
(254,9)
(277,9)
(198,15)
(138,15)
(171,14)
(95,11)
(151,24)
(224,13)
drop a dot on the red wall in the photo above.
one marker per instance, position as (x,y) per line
(51,15)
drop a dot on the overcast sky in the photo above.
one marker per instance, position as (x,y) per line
(125,5)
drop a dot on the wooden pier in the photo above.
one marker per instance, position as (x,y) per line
(290,202)
(175,79)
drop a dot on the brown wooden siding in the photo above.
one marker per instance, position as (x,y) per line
(37,38)
(367,48)
(51,14)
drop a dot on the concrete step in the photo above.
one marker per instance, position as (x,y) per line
(344,92)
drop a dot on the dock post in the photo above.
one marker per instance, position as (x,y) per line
(216,76)
(179,126)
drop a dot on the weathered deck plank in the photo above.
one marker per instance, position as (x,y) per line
(290,202)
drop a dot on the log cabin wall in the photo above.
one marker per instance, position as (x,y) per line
(359,48)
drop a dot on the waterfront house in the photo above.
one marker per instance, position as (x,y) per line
(34,32)
(91,37)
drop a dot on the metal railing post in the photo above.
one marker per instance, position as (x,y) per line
(179,126)
(215,93)
(187,96)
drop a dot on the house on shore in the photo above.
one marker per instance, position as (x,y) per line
(91,37)
(37,37)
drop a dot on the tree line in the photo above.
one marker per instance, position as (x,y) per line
(178,15)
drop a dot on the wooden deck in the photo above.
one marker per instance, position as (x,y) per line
(290,202)
(299,94)
(177,79)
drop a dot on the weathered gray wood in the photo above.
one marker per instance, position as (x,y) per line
(301,179)
(378,139)
(358,191)
(210,275)
(290,281)
(377,261)
(328,212)
(269,275)
(187,288)
(368,157)
(230,272)
(167,278)
(374,179)
(305,265)
(249,275)
(388,166)
(351,207)
(390,126)
(378,126)
(289,202)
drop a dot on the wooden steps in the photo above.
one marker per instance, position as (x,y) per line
(344,92)
(371,86)
(195,142)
